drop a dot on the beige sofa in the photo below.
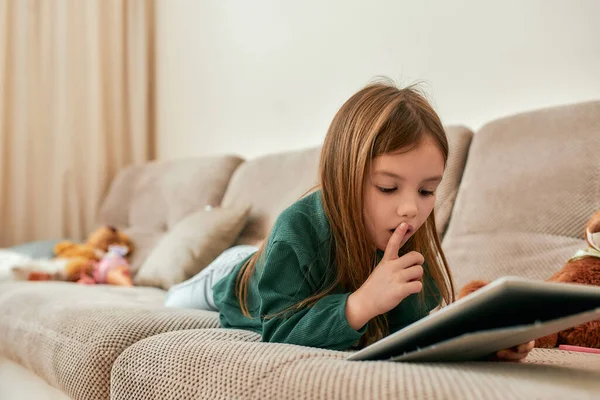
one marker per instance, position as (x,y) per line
(513,201)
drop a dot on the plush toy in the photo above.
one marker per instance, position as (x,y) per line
(96,245)
(83,256)
(80,262)
(582,268)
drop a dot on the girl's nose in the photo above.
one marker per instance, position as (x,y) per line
(407,209)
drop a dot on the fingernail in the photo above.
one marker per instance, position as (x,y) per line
(402,225)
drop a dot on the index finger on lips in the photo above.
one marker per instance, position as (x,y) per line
(393,245)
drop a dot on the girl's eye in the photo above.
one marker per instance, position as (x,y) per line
(424,193)
(386,190)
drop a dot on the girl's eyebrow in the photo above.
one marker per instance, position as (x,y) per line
(436,178)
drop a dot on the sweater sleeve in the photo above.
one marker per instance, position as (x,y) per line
(283,283)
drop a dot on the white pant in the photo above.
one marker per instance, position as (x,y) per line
(197,292)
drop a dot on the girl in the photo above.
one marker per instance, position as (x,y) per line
(358,259)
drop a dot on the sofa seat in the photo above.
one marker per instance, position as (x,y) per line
(70,335)
(230,364)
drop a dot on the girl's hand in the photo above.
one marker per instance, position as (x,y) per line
(517,353)
(391,281)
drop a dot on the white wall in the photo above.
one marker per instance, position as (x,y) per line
(253,77)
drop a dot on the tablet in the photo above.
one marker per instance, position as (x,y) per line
(507,312)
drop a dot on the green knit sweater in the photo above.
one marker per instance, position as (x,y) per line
(296,265)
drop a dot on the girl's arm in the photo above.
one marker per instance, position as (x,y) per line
(283,282)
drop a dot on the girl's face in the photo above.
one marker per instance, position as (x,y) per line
(401,187)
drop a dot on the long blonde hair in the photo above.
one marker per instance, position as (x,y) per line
(378,119)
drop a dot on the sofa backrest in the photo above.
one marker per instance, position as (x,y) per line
(274,182)
(530,184)
(270,184)
(147,200)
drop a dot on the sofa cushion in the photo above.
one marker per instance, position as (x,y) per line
(232,364)
(116,205)
(149,199)
(530,185)
(191,245)
(145,240)
(70,334)
(270,184)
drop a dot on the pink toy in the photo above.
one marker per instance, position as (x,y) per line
(112,269)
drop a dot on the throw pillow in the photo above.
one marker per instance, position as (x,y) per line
(192,244)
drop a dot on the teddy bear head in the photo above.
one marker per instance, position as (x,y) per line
(106,236)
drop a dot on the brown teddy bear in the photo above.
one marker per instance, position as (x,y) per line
(82,256)
(582,268)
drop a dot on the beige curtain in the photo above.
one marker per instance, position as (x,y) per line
(76,105)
